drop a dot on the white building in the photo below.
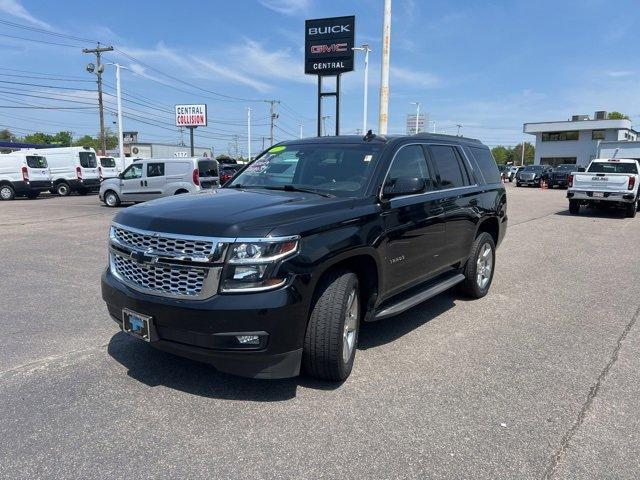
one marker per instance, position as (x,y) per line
(576,140)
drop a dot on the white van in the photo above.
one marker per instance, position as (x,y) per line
(23,175)
(73,169)
(108,168)
(154,178)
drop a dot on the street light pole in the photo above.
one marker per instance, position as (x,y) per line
(119,99)
(417,104)
(249,133)
(365,48)
(383,116)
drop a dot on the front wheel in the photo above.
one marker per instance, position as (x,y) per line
(479,269)
(332,333)
(7,192)
(111,199)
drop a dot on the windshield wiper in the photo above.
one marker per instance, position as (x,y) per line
(293,188)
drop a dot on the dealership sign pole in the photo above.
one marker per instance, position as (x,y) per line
(329,51)
(191,116)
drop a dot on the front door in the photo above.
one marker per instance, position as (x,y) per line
(413,225)
(132,186)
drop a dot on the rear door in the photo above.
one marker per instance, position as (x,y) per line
(209,173)
(88,165)
(457,196)
(413,224)
(154,180)
(132,185)
(38,168)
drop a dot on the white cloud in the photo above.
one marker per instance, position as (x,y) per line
(15,9)
(414,77)
(287,7)
(620,73)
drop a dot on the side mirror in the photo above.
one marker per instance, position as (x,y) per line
(403,186)
(121,175)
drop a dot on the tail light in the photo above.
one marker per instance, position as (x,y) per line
(100,172)
(632,183)
(570,180)
(79,173)
(196,177)
(25,174)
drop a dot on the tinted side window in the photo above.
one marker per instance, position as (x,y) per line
(36,162)
(155,169)
(134,171)
(486,164)
(88,160)
(208,168)
(410,162)
(452,172)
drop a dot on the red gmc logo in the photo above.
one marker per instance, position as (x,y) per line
(334,47)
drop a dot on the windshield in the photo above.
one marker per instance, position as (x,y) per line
(107,162)
(343,170)
(208,168)
(36,162)
(533,168)
(612,167)
(88,160)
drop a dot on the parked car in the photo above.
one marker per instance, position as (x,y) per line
(73,169)
(107,168)
(227,171)
(607,182)
(560,175)
(148,179)
(23,175)
(271,274)
(533,175)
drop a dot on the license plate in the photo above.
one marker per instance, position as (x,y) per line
(598,194)
(136,324)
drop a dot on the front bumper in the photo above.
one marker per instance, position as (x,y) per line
(613,197)
(528,182)
(200,330)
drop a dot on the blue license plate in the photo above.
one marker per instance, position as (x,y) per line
(136,324)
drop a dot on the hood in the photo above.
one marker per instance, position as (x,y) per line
(232,213)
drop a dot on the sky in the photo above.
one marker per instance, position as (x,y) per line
(488,66)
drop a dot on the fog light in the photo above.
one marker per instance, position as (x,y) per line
(248,339)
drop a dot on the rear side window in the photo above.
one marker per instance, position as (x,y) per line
(88,160)
(612,167)
(107,162)
(453,174)
(208,168)
(486,164)
(36,162)
(409,162)
(155,169)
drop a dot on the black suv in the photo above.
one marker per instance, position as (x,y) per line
(560,175)
(276,270)
(533,175)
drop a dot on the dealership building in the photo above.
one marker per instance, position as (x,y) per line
(576,140)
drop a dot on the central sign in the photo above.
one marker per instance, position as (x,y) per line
(191,115)
(329,45)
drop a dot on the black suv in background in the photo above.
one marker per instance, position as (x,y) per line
(533,175)
(277,270)
(560,175)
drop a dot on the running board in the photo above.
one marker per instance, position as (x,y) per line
(419,297)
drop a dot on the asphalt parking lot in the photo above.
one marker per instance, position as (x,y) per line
(540,379)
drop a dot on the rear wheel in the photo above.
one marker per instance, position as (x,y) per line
(574,207)
(479,269)
(111,198)
(7,192)
(632,208)
(62,189)
(332,333)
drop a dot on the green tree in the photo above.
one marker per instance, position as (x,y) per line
(223,157)
(529,154)
(617,116)
(501,154)
(62,139)
(94,142)
(6,135)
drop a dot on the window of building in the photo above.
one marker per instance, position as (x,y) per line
(453,173)
(597,134)
(560,136)
(554,161)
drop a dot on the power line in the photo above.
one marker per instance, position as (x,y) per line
(47,32)
(38,41)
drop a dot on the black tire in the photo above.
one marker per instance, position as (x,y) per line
(7,192)
(62,189)
(574,207)
(325,341)
(632,208)
(518,184)
(181,192)
(473,285)
(111,199)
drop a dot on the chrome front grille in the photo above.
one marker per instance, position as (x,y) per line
(163,243)
(168,265)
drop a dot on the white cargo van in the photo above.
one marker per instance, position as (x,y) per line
(107,168)
(23,175)
(148,179)
(73,169)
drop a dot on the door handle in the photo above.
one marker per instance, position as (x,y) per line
(141,183)
(436,211)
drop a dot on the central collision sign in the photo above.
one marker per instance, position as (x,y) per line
(191,115)
(329,45)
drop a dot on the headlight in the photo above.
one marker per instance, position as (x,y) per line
(252,266)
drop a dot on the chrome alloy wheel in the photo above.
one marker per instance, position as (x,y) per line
(350,326)
(111,199)
(6,193)
(484,266)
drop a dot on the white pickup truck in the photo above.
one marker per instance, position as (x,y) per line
(606,182)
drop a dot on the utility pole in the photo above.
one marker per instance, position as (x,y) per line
(262,143)
(383,116)
(365,48)
(459,127)
(98,69)
(301,125)
(249,132)
(324,126)
(417,104)
(272,117)
(182,136)
(235,141)
(522,159)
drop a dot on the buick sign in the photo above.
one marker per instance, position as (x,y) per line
(329,45)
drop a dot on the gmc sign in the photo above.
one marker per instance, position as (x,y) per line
(329,45)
